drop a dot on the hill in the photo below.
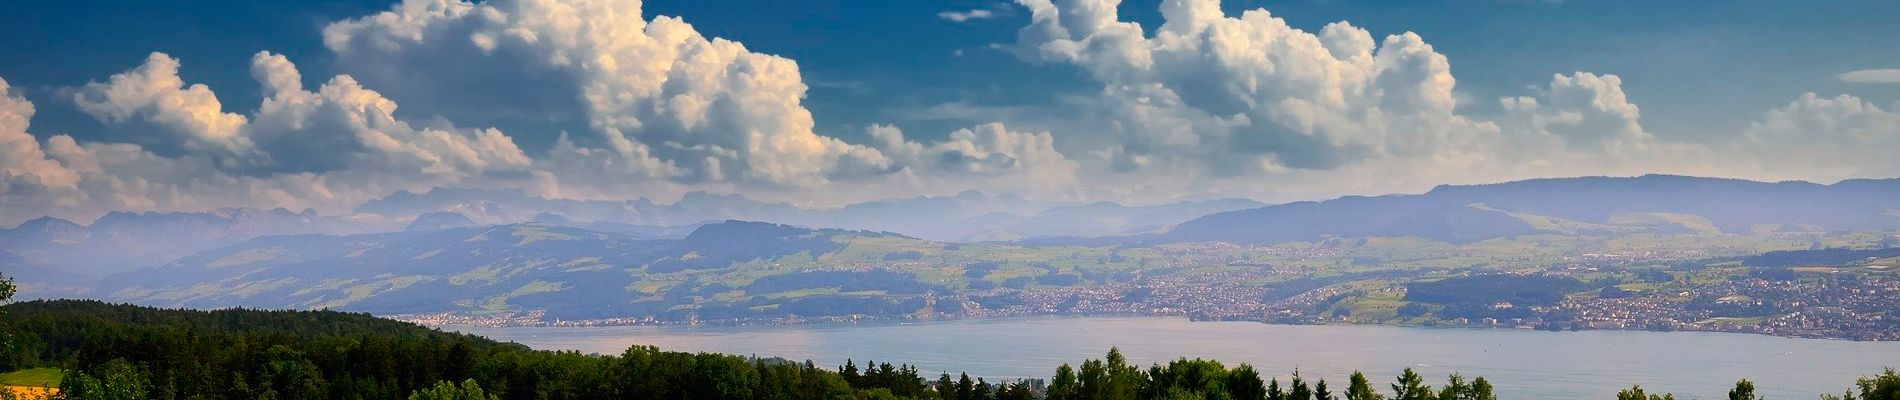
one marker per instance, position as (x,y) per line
(1593,205)
(122,241)
(570,271)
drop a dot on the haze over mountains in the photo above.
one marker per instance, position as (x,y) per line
(1571,206)
(70,255)
(460,249)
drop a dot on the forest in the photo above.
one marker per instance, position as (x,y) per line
(111,351)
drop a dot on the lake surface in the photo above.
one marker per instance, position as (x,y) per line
(1522,364)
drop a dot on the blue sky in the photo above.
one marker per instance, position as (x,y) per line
(1711,78)
(1692,65)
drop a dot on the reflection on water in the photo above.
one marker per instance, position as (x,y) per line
(1523,364)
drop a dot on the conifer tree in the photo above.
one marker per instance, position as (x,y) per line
(1243,383)
(1411,387)
(1063,386)
(966,388)
(1360,388)
(1299,391)
(1320,392)
(946,388)
(849,372)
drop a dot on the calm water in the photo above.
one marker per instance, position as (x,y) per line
(1522,364)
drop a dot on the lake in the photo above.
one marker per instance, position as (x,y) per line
(1522,364)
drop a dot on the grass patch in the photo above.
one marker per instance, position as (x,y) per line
(37,377)
(1378,306)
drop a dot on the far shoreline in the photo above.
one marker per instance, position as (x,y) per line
(867,321)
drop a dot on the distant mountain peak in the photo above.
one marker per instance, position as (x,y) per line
(46,223)
(440,220)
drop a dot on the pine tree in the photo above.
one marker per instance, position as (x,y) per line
(1094,381)
(1273,390)
(966,388)
(1124,381)
(1063,386)
(946,388)
(1411,387)
(1299,390)
(1360,388)
(1243,383)
(849,372)
(1320,392)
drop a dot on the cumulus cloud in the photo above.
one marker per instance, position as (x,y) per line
(154,93)
(1249,104)
(669,111)
(1818,137)
(353,127)
(1205,103)
(327,148)
(1871,76)
(990,153)
(29,181)
(1251,94)
(666,102)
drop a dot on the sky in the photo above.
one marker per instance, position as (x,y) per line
(167,106)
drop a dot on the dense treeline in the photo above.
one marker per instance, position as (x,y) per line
(1796,258)
(128,352)
(249,354)
(1498,296)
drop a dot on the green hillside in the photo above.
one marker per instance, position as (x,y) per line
(128,352)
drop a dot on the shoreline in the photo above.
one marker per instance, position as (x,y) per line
(844,321)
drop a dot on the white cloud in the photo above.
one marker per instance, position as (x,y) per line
(1206,103)
(965,16)
(1250,105)
(154,93)
(29,181)
(1871,76)
(1208,95)
(355,128)
(667,102)
(329,149)
(990,154)
(1817,137)
(672,111)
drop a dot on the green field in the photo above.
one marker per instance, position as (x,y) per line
(37,377)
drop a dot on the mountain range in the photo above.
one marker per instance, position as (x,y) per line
(462,249)
(1591,205)
(123,241)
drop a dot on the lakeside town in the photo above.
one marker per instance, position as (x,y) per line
(1827,306)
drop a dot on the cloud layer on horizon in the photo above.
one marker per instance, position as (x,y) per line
(1207,103)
